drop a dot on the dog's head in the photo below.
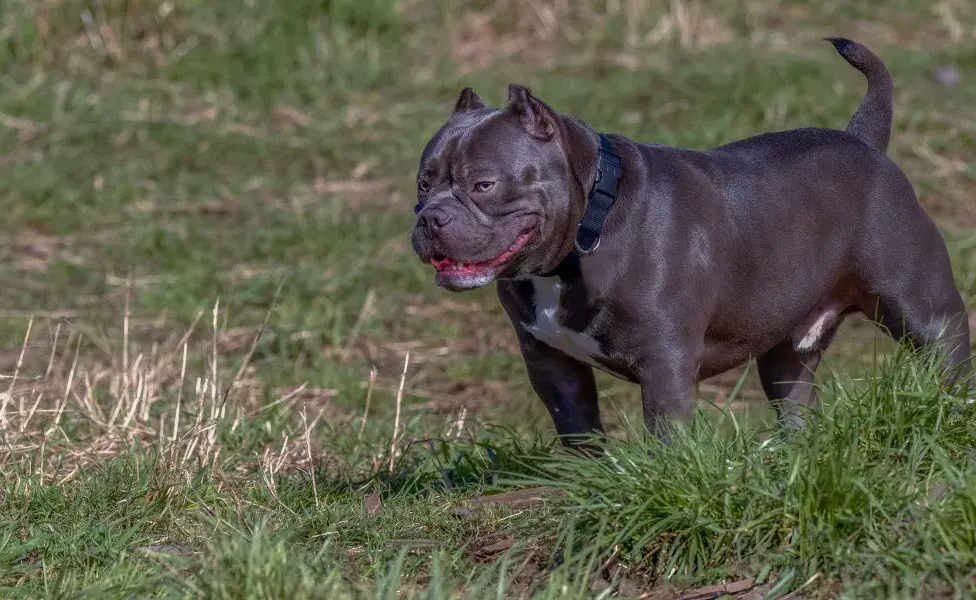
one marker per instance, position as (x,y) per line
(493,192)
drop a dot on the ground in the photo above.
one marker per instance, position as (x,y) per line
(225,375)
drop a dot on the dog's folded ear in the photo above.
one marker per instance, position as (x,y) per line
(534,114)
(469,100)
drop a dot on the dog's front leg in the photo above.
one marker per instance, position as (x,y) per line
(667,377)
(566,386)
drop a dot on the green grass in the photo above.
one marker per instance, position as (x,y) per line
(160,159)
(852,496)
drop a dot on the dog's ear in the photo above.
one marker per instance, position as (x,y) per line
(532,112)
(469,100)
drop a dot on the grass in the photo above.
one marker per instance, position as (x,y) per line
(204,256)
(851,496)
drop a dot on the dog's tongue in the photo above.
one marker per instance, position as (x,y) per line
(441,263)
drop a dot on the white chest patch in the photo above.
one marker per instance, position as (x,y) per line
(548,330)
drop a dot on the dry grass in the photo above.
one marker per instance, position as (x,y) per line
(164,399)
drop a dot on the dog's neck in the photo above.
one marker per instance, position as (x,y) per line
(580,143)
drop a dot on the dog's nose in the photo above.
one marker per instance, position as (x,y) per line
(434,218)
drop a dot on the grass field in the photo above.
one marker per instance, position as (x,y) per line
(224,374)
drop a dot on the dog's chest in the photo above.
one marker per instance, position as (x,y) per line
(548,328)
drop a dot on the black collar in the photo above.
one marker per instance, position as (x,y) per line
(598,205)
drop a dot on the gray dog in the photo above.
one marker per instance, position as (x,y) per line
(664,266)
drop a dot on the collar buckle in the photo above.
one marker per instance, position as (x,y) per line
(583,251)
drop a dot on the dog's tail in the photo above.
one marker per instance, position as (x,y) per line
(872,121)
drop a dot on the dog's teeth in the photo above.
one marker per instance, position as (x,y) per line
(460,266)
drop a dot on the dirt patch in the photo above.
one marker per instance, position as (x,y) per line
(35,252)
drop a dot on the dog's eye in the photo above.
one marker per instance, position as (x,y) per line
(423,186)
(484,186)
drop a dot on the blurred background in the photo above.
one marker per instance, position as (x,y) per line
(161,157)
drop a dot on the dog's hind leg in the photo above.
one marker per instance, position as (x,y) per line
(931,317)
(904,272)
(787,376)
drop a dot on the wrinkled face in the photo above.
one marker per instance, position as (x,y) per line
(491,187)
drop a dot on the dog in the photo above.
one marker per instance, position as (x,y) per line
(664,266)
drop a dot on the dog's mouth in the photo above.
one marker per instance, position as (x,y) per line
(465,275)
